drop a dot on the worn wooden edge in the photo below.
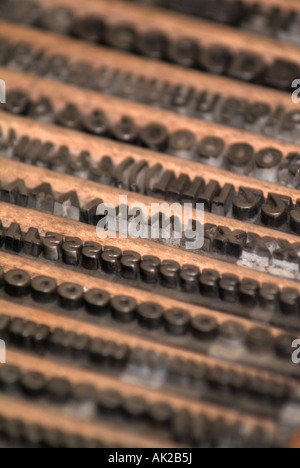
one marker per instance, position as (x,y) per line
(88,191)
(15,409)
(177,25)
(103,382)
(87,101)
(99,56)
(53,321)
(9,262)
(48,223)
(99,147)
(282,4)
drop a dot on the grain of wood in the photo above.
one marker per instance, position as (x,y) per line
(103,382)
(103,57)
(48,223)
(176,25)
(54,321)
(32,414)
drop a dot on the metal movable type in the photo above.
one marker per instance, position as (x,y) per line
(259,340)
(211,151)
(4,51)
(59,20)
(266,164)
(70,295)
(169,271)
(96,301)
(51,246)
(151,178)
(208,281)
(215,59)
(90,254)
(159,189)
(69,117)
(182,144)
(248,292)
(150,315)
(247,203)
(45,155)
(189,195)
(32,244)
(204,327)
(43,289)
(9,377)
(295,218)
(176,188)
(149,268)
(103,172)
(232,331)
(129,263)
(89,28)
(122,36)
(228,287)
(154,136)
(41,198)
(96,123)
(67,206)
(135,407)
(80,74)
(290,130)
(80,166)
(176,321)
(33,151)
(281,74)
(206,106)
(110,259)
(137,176)
(184,52)
(28,12)
(247,66)
(57,67)
(256,249)
(268,296)
(17,102)
(189,278)
(125,130)
(88,213)
(17,283)
(275,211)
(256,116)
(179,99)
(289,301)
(61,159)
(71,249)
(58,390)
(16,192)
(222,203)
(153,44)
(123,308)
(13,238)
(272,127)
(239,158)
(283,346)
(206,195)
(233,112)
(122,172)
(229,242)
(105,80)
